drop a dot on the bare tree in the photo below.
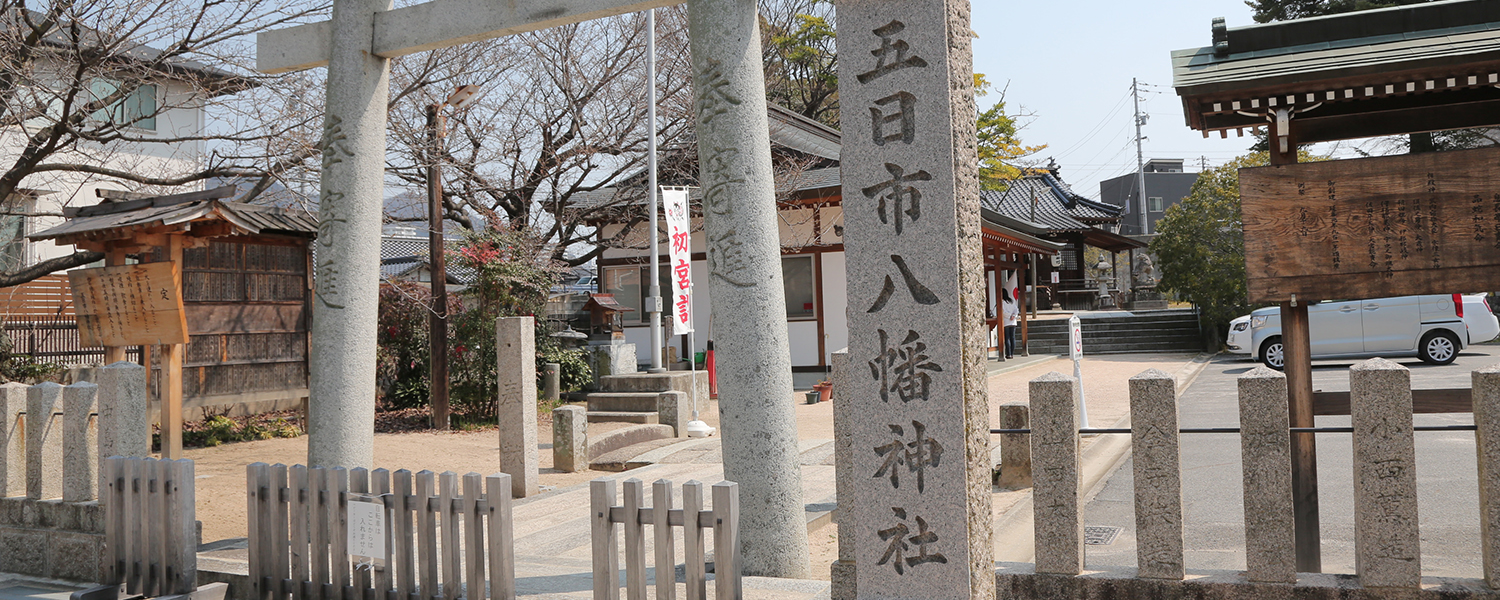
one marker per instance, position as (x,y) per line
(151,94)
(562,113)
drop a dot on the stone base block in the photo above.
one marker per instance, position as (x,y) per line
(841,574)
(611,359)
(1018,581)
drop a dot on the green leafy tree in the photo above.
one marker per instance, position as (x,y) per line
(800,57)
(1000,145)
(1200,245)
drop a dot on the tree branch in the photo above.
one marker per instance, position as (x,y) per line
(48,267)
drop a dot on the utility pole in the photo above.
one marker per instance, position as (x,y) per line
(1140,157)
(1202,163)
(437,321)
(653,301)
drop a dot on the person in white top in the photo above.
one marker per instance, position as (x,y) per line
(1011,315)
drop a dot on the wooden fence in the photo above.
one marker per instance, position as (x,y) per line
(150,526)
(299,519)
(635,515)
(46,297)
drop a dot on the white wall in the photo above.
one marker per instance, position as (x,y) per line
(183,117)
(835,304)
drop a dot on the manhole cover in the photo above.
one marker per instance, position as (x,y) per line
(1101,535)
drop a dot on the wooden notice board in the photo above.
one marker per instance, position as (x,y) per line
(129,305)
(1366,228)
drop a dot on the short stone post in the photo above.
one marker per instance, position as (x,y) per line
(80,442)
(1015,448)
(44,437)
(841,572)
(551,382)
(675,409)
(1158,475)
(515,351)
(570,438)
(1055,493)
(12,439)
(1266,460)
(1387,545)
(1486,383)
(124,426)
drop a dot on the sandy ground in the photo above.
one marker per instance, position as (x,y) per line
(221,470)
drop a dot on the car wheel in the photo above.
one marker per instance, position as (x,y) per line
(1273,354)
(1438,347)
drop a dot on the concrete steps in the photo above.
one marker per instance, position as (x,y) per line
(632,397)
(624,416)
(617,401)
(1119,333)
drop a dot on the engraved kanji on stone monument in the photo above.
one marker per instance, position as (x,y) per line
(901,538)
(915,283)
(916,455)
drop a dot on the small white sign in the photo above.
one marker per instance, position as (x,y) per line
(1075,328)
(367,529)
(1056,278)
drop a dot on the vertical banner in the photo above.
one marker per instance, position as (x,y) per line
(916,285)
(680,249)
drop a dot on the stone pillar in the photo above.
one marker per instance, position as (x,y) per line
(1387,546)
(515,351)
(570,439)
(841,572)
(1158,475)
(124,425)
(1266,460)
(80,442)
(1015,448)
(341,403)
(758,424)
(44,439)
(676,409)
(916,300)
(12,439)
(551,384)
(1486,384)
(1055,493)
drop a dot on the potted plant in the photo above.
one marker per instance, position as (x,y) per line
(824,389)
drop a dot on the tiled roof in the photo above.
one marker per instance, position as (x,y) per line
(1058,208)
(247,218)
(812,179)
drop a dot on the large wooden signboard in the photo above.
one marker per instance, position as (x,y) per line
(129,305)
(1372,227)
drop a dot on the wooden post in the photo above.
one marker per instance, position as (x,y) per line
(115,256)
(438,319)
(1021,304)
(171,372)
(1297,355)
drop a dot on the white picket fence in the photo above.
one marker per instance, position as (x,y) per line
(634,515)
(461,538)
(150,526)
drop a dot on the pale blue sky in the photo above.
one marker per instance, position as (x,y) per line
(1069,62)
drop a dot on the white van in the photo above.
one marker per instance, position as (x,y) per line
(1434,328)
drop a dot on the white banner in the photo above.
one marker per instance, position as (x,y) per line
(680,247)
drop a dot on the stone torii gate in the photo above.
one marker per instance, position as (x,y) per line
(759,427)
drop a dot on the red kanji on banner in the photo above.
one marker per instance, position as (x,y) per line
(680,242)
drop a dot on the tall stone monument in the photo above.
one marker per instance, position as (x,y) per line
(759,425)
(341,396)
(921,525)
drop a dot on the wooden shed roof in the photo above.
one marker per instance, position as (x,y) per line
(197,214)
(1424,67)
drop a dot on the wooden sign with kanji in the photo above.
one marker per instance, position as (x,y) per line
(1373,227)
(129,305)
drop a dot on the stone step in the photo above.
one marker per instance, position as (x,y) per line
(651,382)
(623,401)
(628,436)
(625,416)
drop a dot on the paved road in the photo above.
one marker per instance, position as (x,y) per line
(1447,494)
